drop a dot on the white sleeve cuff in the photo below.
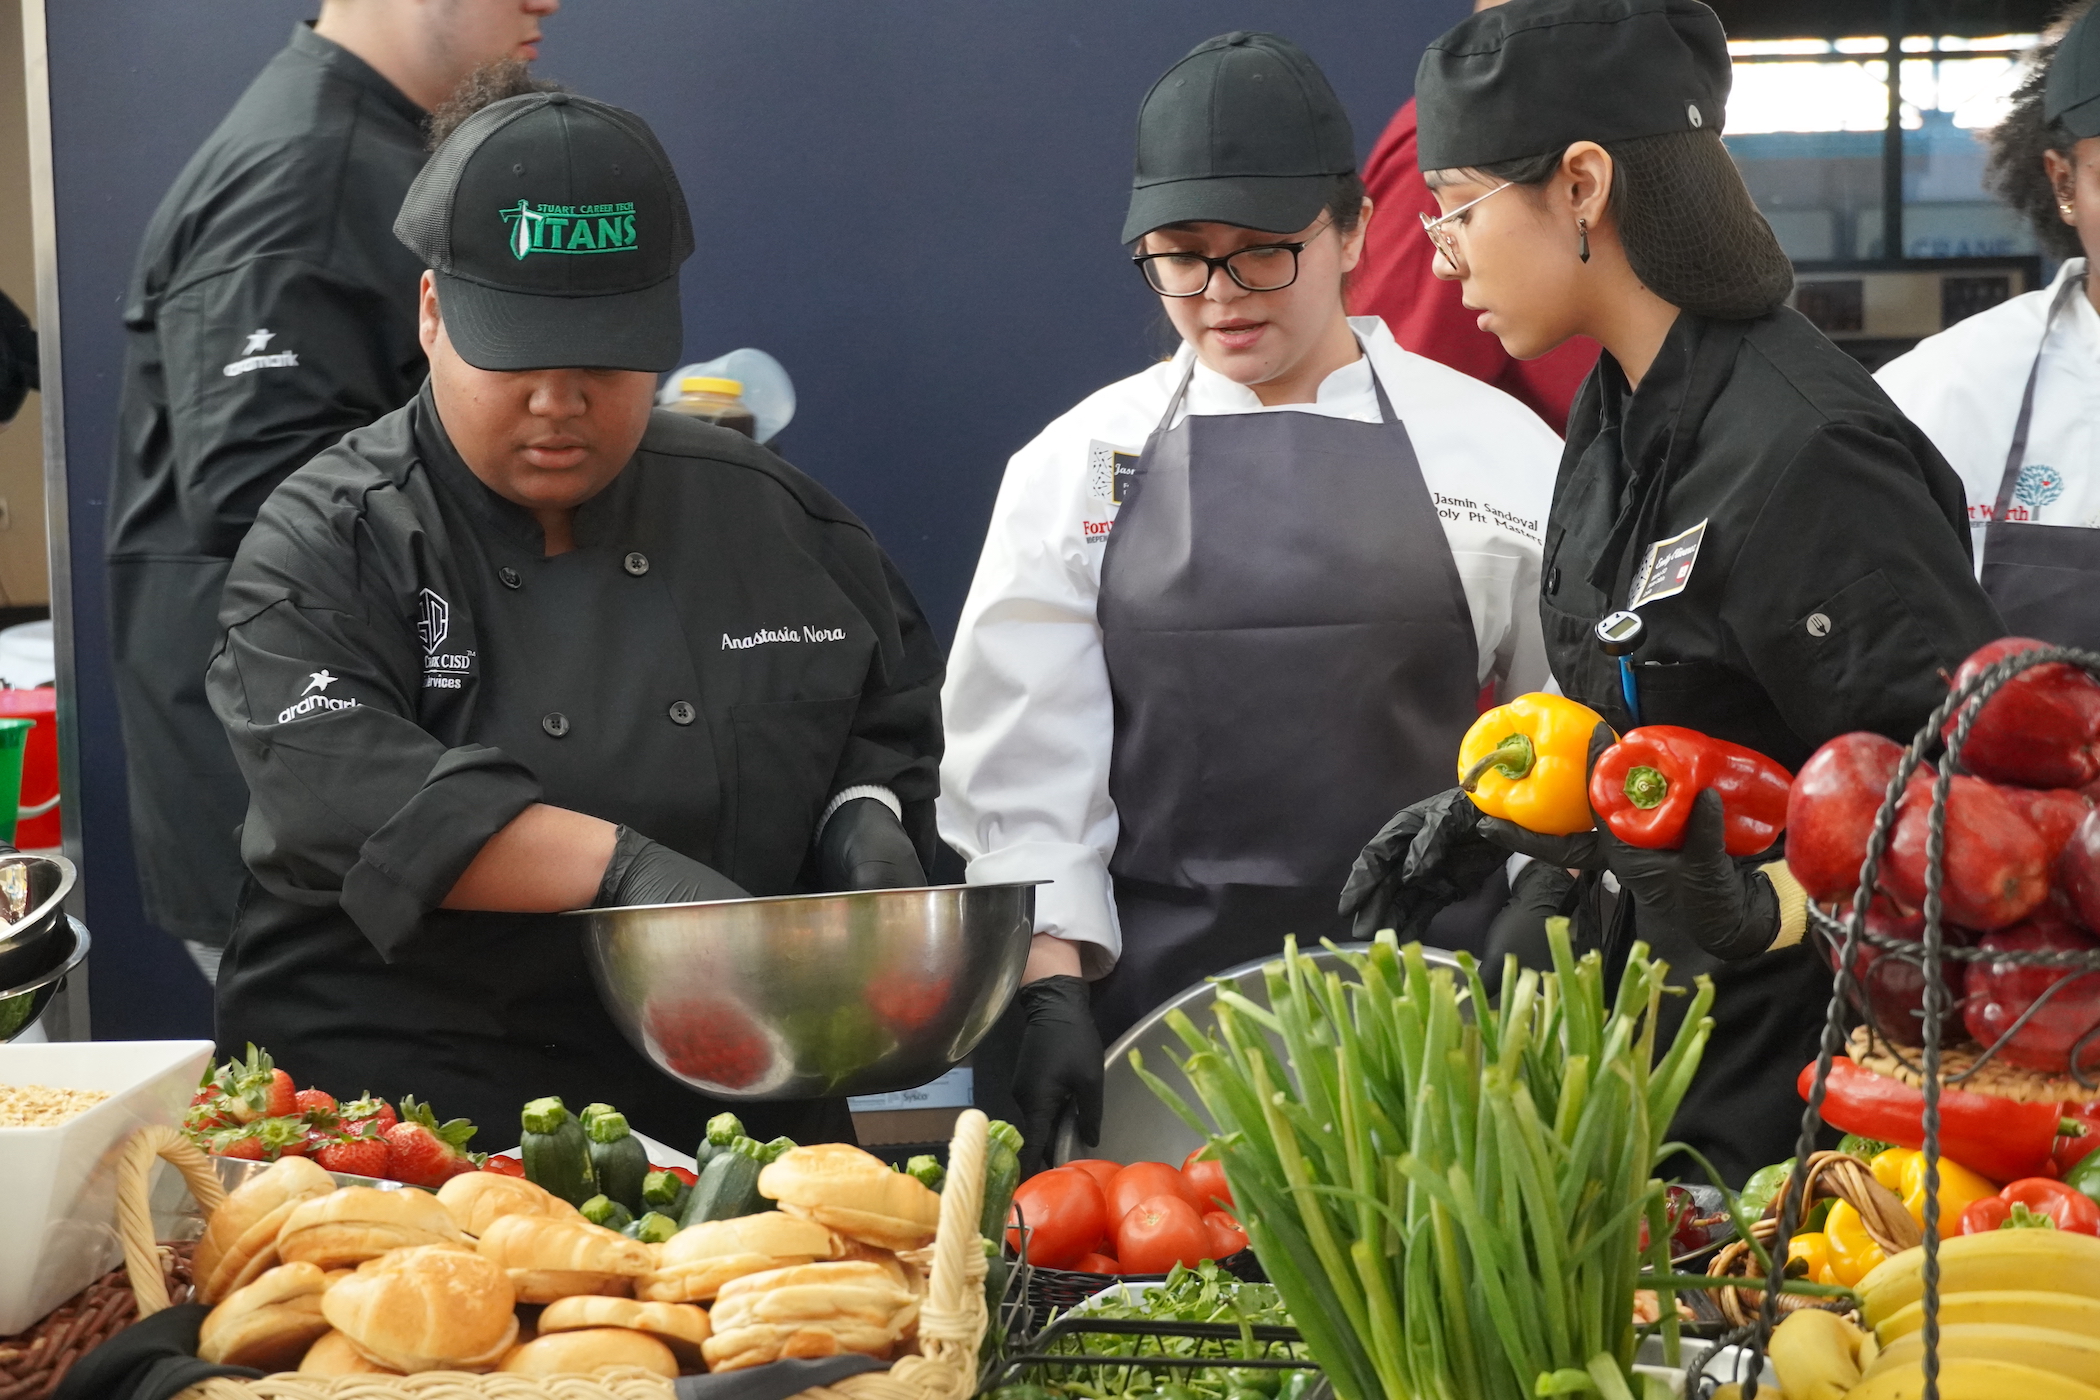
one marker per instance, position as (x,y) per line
(1078,904)
(880,794)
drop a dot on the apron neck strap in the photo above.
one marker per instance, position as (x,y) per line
(2016,454)
(1181,390)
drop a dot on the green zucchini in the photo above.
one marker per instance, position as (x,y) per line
(776,1148)
(1002,1173)
(653,1228)
(664,1193)
(722,1129)
(556,1155)
(618,1159)
(728,1186)
(604,1210)
(927,1170)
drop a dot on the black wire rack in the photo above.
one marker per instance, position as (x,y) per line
(1938,949)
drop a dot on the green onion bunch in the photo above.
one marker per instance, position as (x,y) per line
(1449,1193)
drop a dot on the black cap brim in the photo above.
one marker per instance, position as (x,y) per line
(502,330)
(1270,203)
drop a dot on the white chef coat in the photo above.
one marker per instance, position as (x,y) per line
(1024,784)
(1963,387)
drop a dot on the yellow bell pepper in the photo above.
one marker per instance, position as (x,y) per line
(1902,1170)
(1853,1253)
(1528,762)
(1812,1249)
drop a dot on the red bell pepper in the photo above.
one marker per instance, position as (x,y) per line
(2073,1148)
(2034,1202)
(1643,787)
(2001,993)
(1830,811)
(2041,728)
(1999,1138)
(1996,866)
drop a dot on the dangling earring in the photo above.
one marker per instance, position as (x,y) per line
(2065,208)
(1582,227)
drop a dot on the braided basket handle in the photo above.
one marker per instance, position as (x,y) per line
(135,1208)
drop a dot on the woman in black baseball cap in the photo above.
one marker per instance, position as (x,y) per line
(1818,577)
(1235,608)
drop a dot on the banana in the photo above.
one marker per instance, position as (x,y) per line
(1993,1261)
(2064,1353)
(2066,1312)
(1869,1351)
(1816,1354)
(1965,1378)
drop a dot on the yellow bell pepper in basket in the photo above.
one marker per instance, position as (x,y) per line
(1529,762)
(1902,1170)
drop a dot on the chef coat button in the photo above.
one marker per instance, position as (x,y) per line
(510,577)
(682,712)
(636,563)
(555,723)
(1818,625)
(1553,580)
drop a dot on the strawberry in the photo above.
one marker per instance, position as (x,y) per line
(422,1152)
(254,1087)
(208,1112)
(240,1143)
(367,1111)
(355,1156)
(281,1096)
(316,1106)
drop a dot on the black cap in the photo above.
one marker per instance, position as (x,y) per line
(1534,76)
(2071,92)
(1245,131)
(555,226)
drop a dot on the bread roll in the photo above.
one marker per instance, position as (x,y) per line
(363,1222)
(538,1242)
(693,1264)
(334,1356)
(428,1309)
(854,1193)
(764,1342)
(593,1349)
(269,1324)
(240,1239)
(809,1310)
(478,1199)
(680,1326)
(552,1285)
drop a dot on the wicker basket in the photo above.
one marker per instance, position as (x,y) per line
(952,1320)
(1835,1175)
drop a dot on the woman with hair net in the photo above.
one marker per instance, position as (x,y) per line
(1791,549)
(2012,395)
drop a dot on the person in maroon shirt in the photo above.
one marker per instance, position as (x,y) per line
(1427,316)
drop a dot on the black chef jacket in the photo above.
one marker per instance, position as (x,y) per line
(1831,591)
(403,672)
(271,311)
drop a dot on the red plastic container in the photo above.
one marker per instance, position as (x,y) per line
(39,764)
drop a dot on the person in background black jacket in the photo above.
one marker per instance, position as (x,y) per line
(271,310)
(1797,552)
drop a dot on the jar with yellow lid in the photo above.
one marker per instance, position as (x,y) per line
(719,401)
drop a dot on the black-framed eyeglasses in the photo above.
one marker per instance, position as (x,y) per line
(1265,267)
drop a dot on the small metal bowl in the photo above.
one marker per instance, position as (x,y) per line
(812,996)
(20,1005)
(33,891)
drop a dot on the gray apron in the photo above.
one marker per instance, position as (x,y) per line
(2045,579)
(1292,660)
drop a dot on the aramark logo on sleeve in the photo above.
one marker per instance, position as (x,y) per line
(316,697)
(570,228)
(253,356)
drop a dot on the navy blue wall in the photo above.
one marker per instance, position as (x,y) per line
(912,204)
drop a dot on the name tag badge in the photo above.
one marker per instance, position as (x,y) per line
(1668,567)
(1109,471)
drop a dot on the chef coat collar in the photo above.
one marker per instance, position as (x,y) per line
(1643,416)
(333,56)
(1211,392)
(594,519)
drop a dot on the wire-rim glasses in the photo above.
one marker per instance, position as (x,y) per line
(1261,267)
(1439,228)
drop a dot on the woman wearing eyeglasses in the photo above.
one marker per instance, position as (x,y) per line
(1795,551)
(1232,610)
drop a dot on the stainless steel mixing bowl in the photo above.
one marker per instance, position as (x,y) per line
(22,1003)
(33,940)
(810,996)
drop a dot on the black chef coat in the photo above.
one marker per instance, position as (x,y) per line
(271,311)
(1831,591)
(403,672)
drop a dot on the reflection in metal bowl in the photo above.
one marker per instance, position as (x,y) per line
(810,996)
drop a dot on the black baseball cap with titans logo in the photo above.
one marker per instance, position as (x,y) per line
(555,227)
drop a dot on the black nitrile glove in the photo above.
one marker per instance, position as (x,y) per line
(1059,1062)
(1582,850)
(642,871)
(1428,856)
(863,847)
(1539,892)
(1699,894)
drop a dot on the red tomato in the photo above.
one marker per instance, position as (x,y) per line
(1099,1168)
(503,1165)
(1160,1232)
(1096,1264)
(1226,1236)
(1140,1180)
(1066,1217)
(1207,1180)
(689,1178)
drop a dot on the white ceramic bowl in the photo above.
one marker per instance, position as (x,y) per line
(58,1185)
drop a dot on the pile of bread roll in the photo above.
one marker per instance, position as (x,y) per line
(494,1274)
